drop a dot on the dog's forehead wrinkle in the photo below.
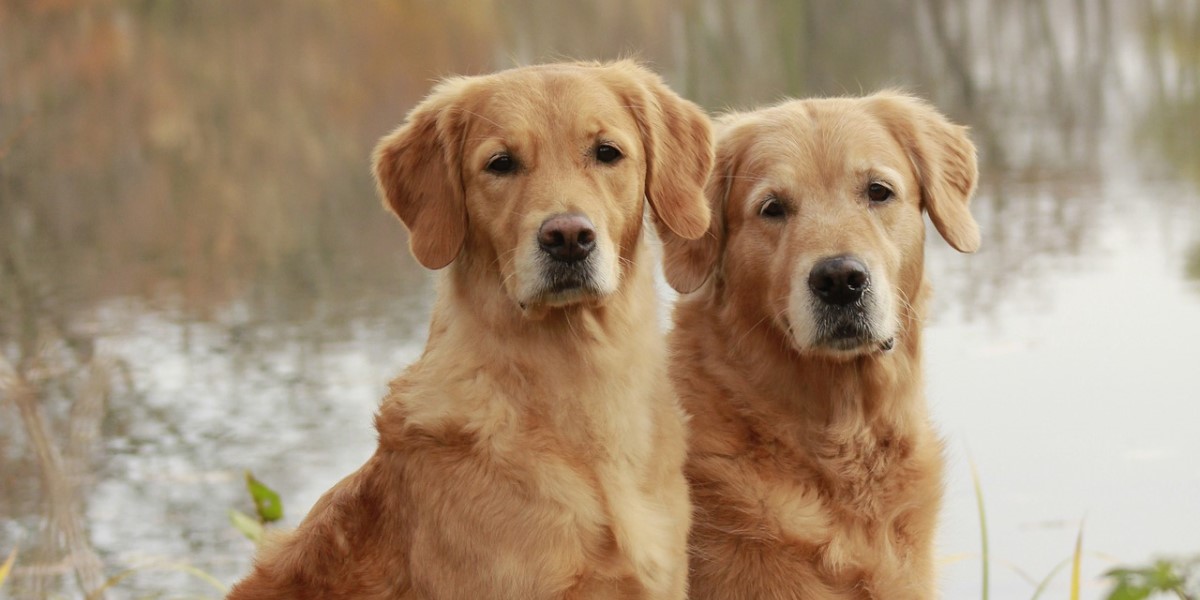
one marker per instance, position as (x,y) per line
(547,91)
(827,168)
(491,121)
(524,120)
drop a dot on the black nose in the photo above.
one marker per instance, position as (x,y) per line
(839,280)
(567,237)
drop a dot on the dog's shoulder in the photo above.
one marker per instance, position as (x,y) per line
(351,524)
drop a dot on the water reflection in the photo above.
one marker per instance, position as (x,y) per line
(1171,35)
(196,277)
(1191,267)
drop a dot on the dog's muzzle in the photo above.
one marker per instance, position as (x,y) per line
(842,284)
(567,238)
(567,244)
(840,280)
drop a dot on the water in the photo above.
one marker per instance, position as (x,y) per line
(196,277)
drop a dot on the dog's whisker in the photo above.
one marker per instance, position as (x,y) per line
(738,343)
(908,311)
(503,255)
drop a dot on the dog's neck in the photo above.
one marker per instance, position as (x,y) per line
(579,364)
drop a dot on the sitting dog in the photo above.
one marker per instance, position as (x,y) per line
(536,449)
(814,469)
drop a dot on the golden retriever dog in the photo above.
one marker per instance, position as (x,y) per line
(536,448)
(814,469)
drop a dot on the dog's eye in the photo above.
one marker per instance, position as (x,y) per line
(501,164)
(878,192)
(607,153)
(772,209)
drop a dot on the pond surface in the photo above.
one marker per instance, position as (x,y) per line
(196,277)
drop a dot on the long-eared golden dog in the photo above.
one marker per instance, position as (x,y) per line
(536,448)
(814,469)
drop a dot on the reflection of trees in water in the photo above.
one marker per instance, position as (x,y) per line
(1058,85)
(1191,266)
(58,388)
(183,159)
(1034,82)
(205,154)
(220,152)
(725,54)
(1170,123)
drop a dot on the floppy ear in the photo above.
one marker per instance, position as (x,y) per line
(417,171)
(944,158)
(688,263)
(677,140)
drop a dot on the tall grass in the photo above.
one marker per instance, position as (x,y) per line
(1045,582)
(179,567)
(1179,578)
(983,533)
(1076,560)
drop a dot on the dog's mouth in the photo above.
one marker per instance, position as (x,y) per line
(564,285)
(846,336)
(560,278)
(851,332)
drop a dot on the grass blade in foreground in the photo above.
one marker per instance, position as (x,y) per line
(251,528)
(179,567)
(1075,564)
(1049,577)
(7,566)
(983,536)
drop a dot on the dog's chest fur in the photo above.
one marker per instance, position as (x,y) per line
(581,462)
(577,513)
(832,503)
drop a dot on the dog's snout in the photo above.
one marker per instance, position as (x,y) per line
(567,237)
(839,280)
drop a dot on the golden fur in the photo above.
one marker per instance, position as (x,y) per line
(814,470)
(535,450)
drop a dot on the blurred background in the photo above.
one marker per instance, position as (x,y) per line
(196,277)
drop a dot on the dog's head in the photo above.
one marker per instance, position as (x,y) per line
(817,225)
(539,174)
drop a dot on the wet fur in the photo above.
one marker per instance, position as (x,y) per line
(814,474)
(533,451)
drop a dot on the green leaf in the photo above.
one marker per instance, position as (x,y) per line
(246,524)
(1127,591)
(1163,577)
(266,500)
(1140,583)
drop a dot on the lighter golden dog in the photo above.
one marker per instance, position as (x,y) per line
(814,469)
(536,448)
